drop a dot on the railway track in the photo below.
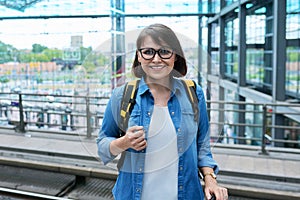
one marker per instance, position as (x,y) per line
(12,194)
(37,174)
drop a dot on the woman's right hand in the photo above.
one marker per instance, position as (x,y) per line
(134,138)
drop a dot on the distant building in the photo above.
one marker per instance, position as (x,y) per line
(27,68)
(76,41)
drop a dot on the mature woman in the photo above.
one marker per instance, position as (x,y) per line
(163,147)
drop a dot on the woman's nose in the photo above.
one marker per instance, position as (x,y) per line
(156,57)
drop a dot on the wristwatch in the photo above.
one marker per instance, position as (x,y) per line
(212,174)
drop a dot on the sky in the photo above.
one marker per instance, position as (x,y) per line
(56,33)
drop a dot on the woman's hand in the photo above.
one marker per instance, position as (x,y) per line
(134,138)
(211,187)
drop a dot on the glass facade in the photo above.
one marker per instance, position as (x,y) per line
(250,58)
(231,54)
(293,49)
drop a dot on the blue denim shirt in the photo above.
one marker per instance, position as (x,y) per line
(192,140)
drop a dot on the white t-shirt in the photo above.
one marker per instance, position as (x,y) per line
(161,159)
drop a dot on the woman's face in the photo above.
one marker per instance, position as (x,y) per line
(156,68)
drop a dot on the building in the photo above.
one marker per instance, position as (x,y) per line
(254,49)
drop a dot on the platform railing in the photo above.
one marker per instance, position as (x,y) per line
(230,122)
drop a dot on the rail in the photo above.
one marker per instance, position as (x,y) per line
(230,122)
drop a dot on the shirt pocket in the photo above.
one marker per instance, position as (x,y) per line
(189,126)
(134,119)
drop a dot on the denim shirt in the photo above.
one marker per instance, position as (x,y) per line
(193,141)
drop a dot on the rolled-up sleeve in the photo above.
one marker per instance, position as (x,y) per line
(205,158)
(109,130)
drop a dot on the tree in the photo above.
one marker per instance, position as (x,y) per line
(7,52)
(37,48)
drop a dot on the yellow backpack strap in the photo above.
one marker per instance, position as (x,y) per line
(127,103)
(190,87)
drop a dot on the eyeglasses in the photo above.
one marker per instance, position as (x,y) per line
(149,53)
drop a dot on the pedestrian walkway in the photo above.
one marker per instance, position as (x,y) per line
(272,171)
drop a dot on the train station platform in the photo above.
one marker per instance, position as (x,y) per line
(242,168)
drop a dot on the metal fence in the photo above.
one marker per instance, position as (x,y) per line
(230,122)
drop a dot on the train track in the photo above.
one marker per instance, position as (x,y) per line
(86,178)
(12,194)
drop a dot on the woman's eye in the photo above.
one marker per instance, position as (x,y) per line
(149,52)
(164,51)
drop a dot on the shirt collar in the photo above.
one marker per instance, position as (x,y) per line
(175,82)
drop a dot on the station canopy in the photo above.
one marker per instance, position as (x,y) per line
(52,8)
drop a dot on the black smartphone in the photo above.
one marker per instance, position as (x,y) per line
(213,197)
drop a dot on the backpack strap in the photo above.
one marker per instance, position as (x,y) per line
(190,87)
(127,103)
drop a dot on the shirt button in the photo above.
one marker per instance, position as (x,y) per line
(180,168)
(172,113)
(140,169)
(138,190)
(179,130)
(180,187)
(180,149)
(149,113)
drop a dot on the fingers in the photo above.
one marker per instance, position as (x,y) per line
(216,192)
(135,132)
(136,137)
(221,193)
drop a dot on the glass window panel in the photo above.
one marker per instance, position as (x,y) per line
(56,7)
(255,29)
(293,26)
(229,2)
(255,66)
(210,6)
(215,36)
(293,71)
(215,67)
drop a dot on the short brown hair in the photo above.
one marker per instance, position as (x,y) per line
(161,33)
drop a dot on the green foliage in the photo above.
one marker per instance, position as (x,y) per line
(37,48)
(84,52)
(293,54)
(7,53)
(94,60)
(39,53)
(4,79)
(33,57)
(52,53)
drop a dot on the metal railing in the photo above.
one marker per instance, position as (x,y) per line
(230,122)
(255,123)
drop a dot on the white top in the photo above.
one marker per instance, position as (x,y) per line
(161,159)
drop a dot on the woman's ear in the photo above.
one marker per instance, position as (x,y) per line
(138,56)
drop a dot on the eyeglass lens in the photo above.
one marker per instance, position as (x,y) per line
(149,53)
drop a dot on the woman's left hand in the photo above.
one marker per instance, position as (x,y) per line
(212,188)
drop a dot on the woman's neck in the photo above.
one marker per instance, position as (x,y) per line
(160,91)
(158,84)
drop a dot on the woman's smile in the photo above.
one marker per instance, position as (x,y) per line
(157,67)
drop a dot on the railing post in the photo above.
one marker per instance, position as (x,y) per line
(21,126)
(264,130)
(88,118)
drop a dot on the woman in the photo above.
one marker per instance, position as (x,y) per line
(164,145)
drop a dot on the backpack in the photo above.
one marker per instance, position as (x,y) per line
(129,95)
(128,101)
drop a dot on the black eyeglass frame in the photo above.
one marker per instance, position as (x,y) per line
(156,51)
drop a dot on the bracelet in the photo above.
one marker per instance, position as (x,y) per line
(212,174)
